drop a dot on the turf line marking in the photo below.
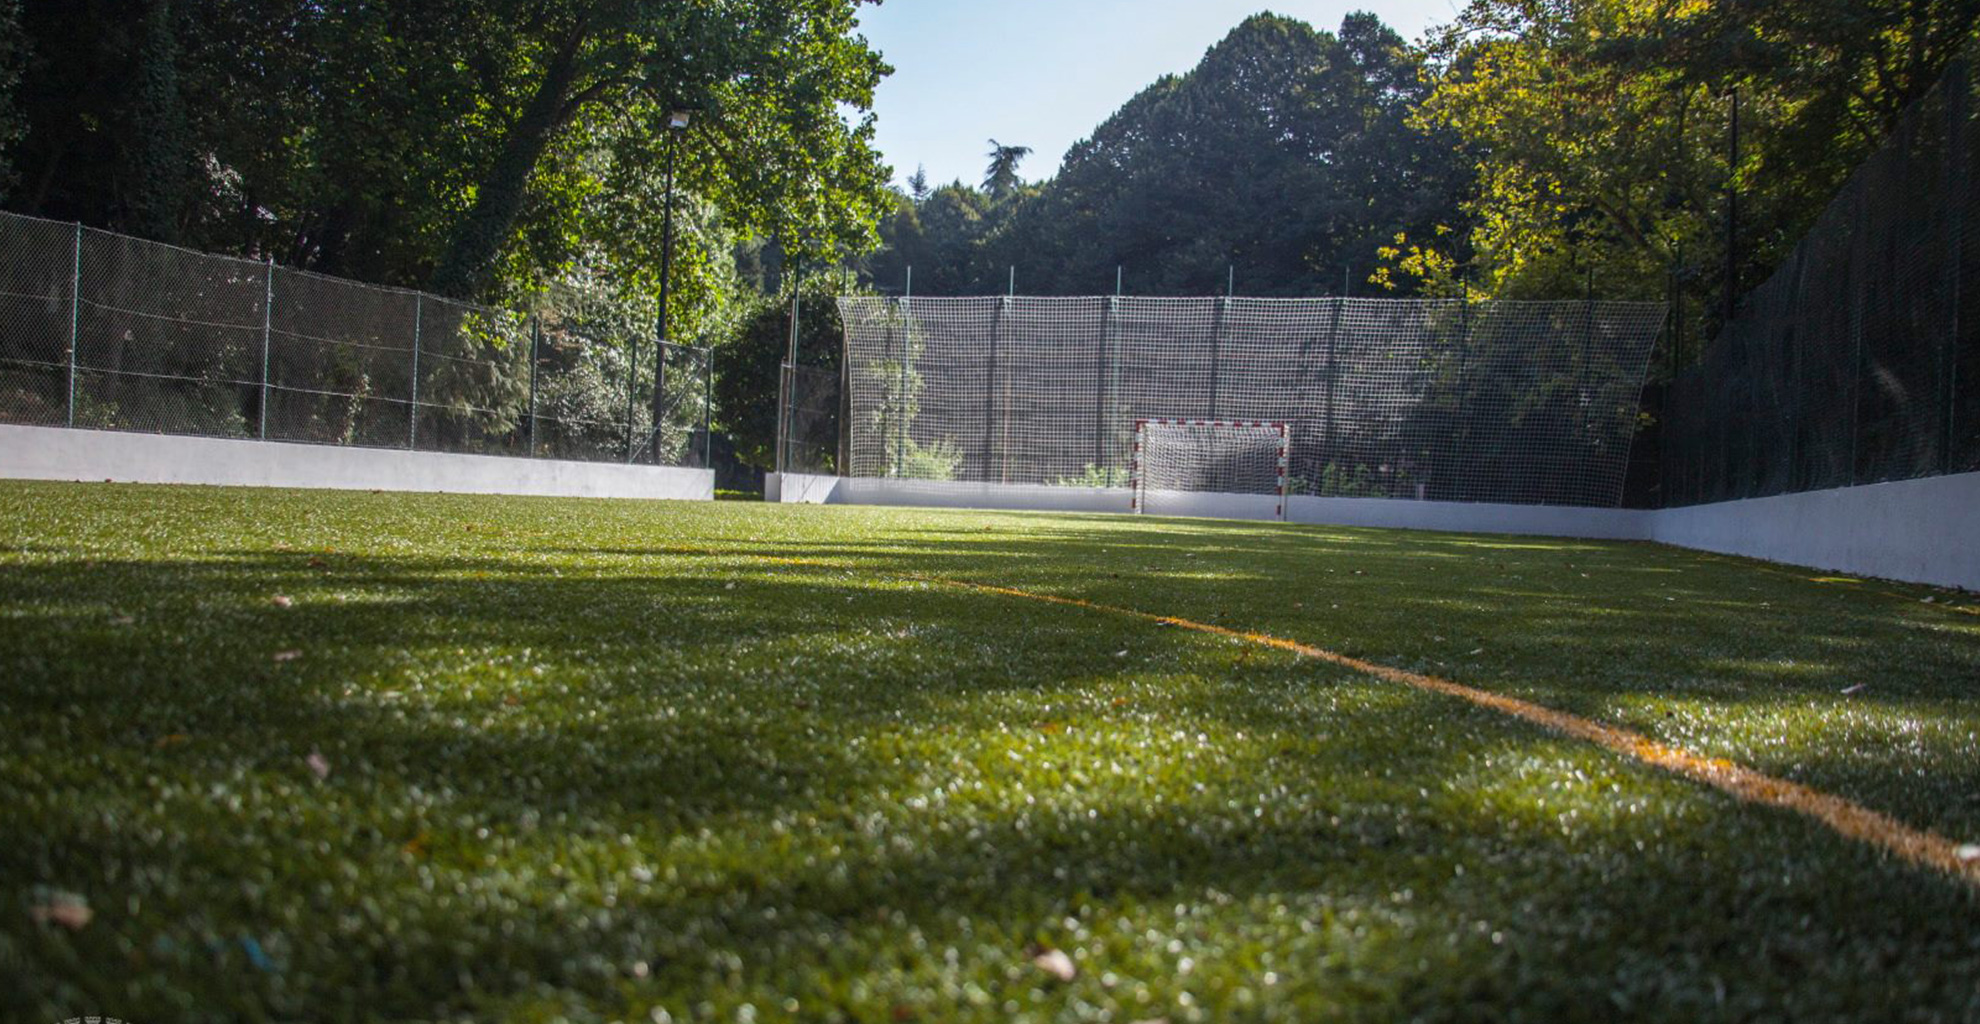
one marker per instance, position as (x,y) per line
(1923,848)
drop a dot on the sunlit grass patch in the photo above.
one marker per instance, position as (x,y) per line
(616,760)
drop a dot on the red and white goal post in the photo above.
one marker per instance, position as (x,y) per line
(1226,457)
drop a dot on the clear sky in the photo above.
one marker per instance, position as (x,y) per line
(1045,73)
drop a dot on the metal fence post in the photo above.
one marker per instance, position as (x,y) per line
(900,399)
(267,326)
(662,407)
(784,387)
(75,320)
(990,394)
(707,408)
(1100,388)
(1857,285)
(535,344)
(632,389)
(1333,374)
(412,418)
(1216,352)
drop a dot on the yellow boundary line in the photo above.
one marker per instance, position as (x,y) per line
(1921,847)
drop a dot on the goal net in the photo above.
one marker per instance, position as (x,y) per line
(1210,468)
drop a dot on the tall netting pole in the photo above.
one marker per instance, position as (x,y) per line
(535,360)
(75,320)
(267,325)
(1104,396)
(412,417)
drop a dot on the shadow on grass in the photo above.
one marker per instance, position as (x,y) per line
(772,782)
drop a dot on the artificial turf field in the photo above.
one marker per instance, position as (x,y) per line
(316,755)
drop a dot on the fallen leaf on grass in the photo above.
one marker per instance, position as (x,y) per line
(123,620)
(282,600)
(1056,963)
(1858,688)
(318,764)
(172,740)
(64,908)
(281,656)
(317,563)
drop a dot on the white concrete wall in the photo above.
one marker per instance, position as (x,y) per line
(957,494)
(801,488)
(1923,531)
(1208,505)
(1461,517)
(1474,517)
(57,453)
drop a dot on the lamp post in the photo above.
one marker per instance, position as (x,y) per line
(677,122)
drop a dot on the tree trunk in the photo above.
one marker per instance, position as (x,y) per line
(158,178)
(463,269)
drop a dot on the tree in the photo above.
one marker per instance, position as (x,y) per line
(747,369)
(769,73)
(470,146)
(1599,130)
(1286,151)
(918,183)
(13,55)
(1000,178)
(157,186)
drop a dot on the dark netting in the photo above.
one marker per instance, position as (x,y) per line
(1855,362)
(808,438)
(1531,402)
(107,331)
(37,309)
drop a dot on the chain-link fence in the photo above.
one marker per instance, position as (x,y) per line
(1859,360)
(111,332)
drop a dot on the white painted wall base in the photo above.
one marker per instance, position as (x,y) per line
(1921,531)
(1924,531)
(1461,517)
(1474,517)
(58,453)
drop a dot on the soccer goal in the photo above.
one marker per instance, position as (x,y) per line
(1233,468)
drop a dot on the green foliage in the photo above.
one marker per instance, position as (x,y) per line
(1000,179)
(1096,476)
(748,367)
(937,460)
(1600,135)
(1287,152)
(474,147)
(1356,481)
(13,58)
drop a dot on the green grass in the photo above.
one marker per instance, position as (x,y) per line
(604,761)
